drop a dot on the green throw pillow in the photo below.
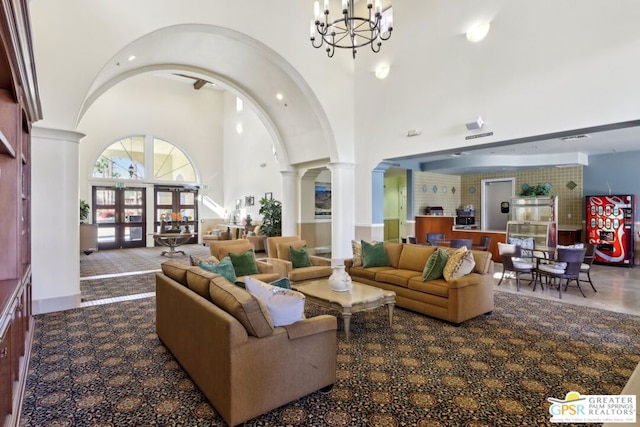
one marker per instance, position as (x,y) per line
(299,257)
(244,264)
(374,255)
(284,283)
(223,268)
(435,265)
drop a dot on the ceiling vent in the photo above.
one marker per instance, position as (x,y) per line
(574,137)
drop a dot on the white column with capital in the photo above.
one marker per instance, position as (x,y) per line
(343,190)
(55,219)
(289,203)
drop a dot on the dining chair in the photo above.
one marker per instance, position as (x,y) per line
(485,241)
(585,268)
(433,238)
(565,267)
(458,243)
(412,239)
(512,261)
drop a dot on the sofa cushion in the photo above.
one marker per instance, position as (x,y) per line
(434,267)
(299,257)
(309,273)
(393,252)
(244,307)
(284,283)
(244,264)
(436,287)
(286,306)
(198,281)
(374,255)
(367,273)
(414,257)
(466,265)
(396,276)
(223,268)
(356,246)
(455,258)
(263,277)
(283,248)
(195,261)
(175,270)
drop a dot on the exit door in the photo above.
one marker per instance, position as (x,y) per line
(120,216)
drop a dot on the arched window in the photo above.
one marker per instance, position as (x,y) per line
(126,159)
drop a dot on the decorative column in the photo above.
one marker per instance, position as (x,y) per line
(55,221)
(289,203)
(343,190)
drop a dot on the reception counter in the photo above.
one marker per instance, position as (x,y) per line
(445,225)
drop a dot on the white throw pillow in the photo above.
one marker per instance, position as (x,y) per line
(285,305)
(467,263)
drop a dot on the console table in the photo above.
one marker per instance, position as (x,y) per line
(172,241)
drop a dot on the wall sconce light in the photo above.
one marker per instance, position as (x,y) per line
(382,71)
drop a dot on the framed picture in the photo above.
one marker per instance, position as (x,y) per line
(238,203)
(323,200)
(268,196)
(249,201)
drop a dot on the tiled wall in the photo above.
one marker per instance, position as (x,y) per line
(570,203)
(434,189)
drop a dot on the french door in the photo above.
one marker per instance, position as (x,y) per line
(175,199)
(120,216)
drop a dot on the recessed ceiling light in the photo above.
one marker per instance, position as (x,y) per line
(279,96)
(131,58)
(477,32)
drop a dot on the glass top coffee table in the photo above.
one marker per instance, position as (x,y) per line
(361,297)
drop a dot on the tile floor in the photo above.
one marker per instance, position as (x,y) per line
(618,289)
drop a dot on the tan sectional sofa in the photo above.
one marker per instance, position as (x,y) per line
(456,301)
(222,336)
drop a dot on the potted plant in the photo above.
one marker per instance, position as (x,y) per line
(271,211)
(84,211)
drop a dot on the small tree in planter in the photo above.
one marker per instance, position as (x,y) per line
(84,211)
(271,211)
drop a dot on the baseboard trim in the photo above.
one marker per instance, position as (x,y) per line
(51,305)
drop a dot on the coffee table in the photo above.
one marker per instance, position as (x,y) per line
(361,297)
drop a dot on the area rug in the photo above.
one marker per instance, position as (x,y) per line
(104,366)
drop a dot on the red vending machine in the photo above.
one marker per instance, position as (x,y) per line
(610,228)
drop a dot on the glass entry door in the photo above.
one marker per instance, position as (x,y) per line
(120,216)
(182,201)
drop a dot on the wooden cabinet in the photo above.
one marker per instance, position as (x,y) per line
(433,224)
(19,108)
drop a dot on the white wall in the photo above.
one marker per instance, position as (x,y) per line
(244,154)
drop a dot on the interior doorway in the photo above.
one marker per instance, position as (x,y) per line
(120,216)
(496,192)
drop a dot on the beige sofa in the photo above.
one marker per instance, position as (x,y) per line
(278,255)
(456,301)
(242,364)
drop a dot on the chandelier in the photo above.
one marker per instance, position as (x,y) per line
(350,31)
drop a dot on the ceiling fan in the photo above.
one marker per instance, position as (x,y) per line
(198,83)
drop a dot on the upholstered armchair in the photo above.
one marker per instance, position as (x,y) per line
(257,240)
(220,232)
(296,267)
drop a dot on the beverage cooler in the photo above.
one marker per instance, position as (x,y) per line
(610,228)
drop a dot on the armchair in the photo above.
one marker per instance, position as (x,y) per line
(268,271)
(257,240)
(279,255)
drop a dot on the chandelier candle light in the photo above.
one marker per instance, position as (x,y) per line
(350,31)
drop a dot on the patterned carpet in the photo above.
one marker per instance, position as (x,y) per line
(104,366)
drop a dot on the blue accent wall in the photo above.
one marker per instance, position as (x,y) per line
(620,170)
